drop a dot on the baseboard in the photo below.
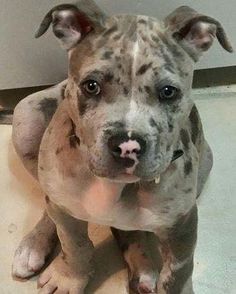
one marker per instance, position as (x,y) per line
(213,77)
(10,98)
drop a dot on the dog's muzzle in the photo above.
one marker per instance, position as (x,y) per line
(127,150)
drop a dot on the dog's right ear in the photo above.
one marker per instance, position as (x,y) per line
(73,22)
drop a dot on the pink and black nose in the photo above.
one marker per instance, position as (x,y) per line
(127,150)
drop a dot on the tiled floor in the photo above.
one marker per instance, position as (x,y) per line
(215,260)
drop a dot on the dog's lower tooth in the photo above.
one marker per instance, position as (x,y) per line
(157,180)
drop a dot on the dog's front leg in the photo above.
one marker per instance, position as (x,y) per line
(177,249)
(69,272)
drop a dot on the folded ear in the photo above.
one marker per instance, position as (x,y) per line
(195,32)
(72,22)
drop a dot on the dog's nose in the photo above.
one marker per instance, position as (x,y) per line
(122,146)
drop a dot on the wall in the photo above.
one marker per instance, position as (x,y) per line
(25,61)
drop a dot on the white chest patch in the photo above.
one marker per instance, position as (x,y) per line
(101,197)
(107,203)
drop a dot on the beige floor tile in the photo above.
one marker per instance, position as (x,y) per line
(20,208)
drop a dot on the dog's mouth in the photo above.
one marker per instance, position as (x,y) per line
(127,175)
(126,178)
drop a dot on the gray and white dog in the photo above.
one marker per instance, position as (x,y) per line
(119,143)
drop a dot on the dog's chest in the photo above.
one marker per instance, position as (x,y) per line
(122,206)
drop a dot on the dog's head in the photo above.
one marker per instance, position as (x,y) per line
(129,83)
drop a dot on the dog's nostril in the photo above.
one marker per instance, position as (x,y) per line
(117,150)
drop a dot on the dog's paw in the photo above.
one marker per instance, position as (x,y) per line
(143,284)
(31,254)
(60,277)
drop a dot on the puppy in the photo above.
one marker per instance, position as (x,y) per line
(119,143)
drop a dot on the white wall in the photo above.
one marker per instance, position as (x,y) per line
(25,61)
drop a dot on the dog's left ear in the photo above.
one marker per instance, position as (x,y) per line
(195,32)
(72,22)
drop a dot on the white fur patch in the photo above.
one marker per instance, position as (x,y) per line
(133,109)
(131,116)
(65,13)
(135,52)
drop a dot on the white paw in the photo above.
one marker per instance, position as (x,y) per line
(146,283)
(60,278)
(31,254)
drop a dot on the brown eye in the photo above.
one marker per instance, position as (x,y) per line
(169,93)
(92,87)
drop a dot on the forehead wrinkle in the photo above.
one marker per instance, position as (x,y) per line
(133,107)
(136,50)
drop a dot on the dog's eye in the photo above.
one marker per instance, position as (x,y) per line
(92,87)
(168,93)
